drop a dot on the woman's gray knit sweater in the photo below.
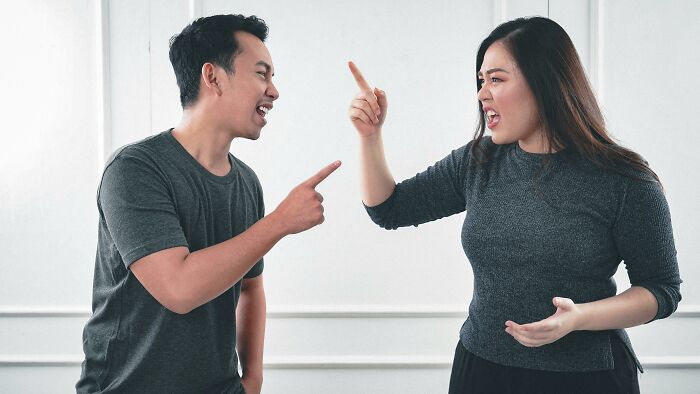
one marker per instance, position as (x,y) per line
(540,226)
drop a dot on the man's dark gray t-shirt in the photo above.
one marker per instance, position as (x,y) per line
(154,196)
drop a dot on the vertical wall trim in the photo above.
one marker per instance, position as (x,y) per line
(104,104)
(499,12)
(597,42)
(150,68)
(194,9)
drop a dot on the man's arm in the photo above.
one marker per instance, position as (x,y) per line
(182,281)
(250,332)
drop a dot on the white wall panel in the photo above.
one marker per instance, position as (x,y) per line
(130,71)
(326,288)
(511,9)
(649,53)
(167,18)
(47,166)
(575,17)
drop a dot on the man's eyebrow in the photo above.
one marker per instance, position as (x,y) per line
(268,67)
(492,70)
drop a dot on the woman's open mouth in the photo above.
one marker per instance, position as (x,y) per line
(492,119)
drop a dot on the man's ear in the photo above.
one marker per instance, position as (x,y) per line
(210,79)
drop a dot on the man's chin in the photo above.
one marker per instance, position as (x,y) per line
(254,135)
(250,135)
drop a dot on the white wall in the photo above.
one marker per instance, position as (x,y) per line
(353,308)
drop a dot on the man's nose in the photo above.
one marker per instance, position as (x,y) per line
(272,91)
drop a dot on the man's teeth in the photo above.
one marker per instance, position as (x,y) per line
(264,110)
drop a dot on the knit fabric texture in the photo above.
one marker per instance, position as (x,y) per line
(540,226)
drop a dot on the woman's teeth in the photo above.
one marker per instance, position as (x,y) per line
(490,115)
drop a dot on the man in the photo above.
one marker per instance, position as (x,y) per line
(182,231)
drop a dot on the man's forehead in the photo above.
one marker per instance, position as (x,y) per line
(252,48)
(248,41)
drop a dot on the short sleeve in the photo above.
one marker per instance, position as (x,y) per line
(644,238)
(260,265)
(138,210)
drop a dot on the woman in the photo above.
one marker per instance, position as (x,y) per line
(553,206)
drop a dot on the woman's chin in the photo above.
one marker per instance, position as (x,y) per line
(500,139)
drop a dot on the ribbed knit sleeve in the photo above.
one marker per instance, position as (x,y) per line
(430,195)
(644,239)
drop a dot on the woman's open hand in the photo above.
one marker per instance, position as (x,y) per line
(551,329)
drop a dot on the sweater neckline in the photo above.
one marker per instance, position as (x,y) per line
(538,158)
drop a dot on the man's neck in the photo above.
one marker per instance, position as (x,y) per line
(203,141)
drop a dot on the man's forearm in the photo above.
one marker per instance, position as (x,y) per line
(207,273)
(633,307)
(250,332)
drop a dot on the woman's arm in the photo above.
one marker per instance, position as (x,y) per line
(633,307)
(367,113)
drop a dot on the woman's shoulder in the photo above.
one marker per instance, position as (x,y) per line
(617,171)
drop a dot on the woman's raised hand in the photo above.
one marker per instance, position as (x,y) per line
(368,109)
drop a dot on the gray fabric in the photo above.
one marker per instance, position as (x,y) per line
(540,226)
(155,196)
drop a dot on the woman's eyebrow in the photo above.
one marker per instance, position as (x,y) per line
(492,70)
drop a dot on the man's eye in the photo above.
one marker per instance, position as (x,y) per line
(494,79)
(261,73)
(481,82)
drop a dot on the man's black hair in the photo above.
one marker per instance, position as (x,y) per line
(208,40)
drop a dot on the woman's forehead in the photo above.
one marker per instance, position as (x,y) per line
(498,58)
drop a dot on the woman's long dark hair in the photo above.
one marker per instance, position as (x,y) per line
(568,110)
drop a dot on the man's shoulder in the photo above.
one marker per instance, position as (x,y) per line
(135,162)
(145,148)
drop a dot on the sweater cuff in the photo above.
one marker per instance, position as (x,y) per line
(380,213)
(665,302)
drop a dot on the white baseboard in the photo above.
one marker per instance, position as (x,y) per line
(334,362)
(308,311)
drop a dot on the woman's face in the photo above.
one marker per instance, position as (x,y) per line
(508,102)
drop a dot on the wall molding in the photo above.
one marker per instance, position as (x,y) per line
(194,9)
(335,362)
(305,311)
(597,47)
(499,12)
(104,103)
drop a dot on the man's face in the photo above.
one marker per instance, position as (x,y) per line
(248,93)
